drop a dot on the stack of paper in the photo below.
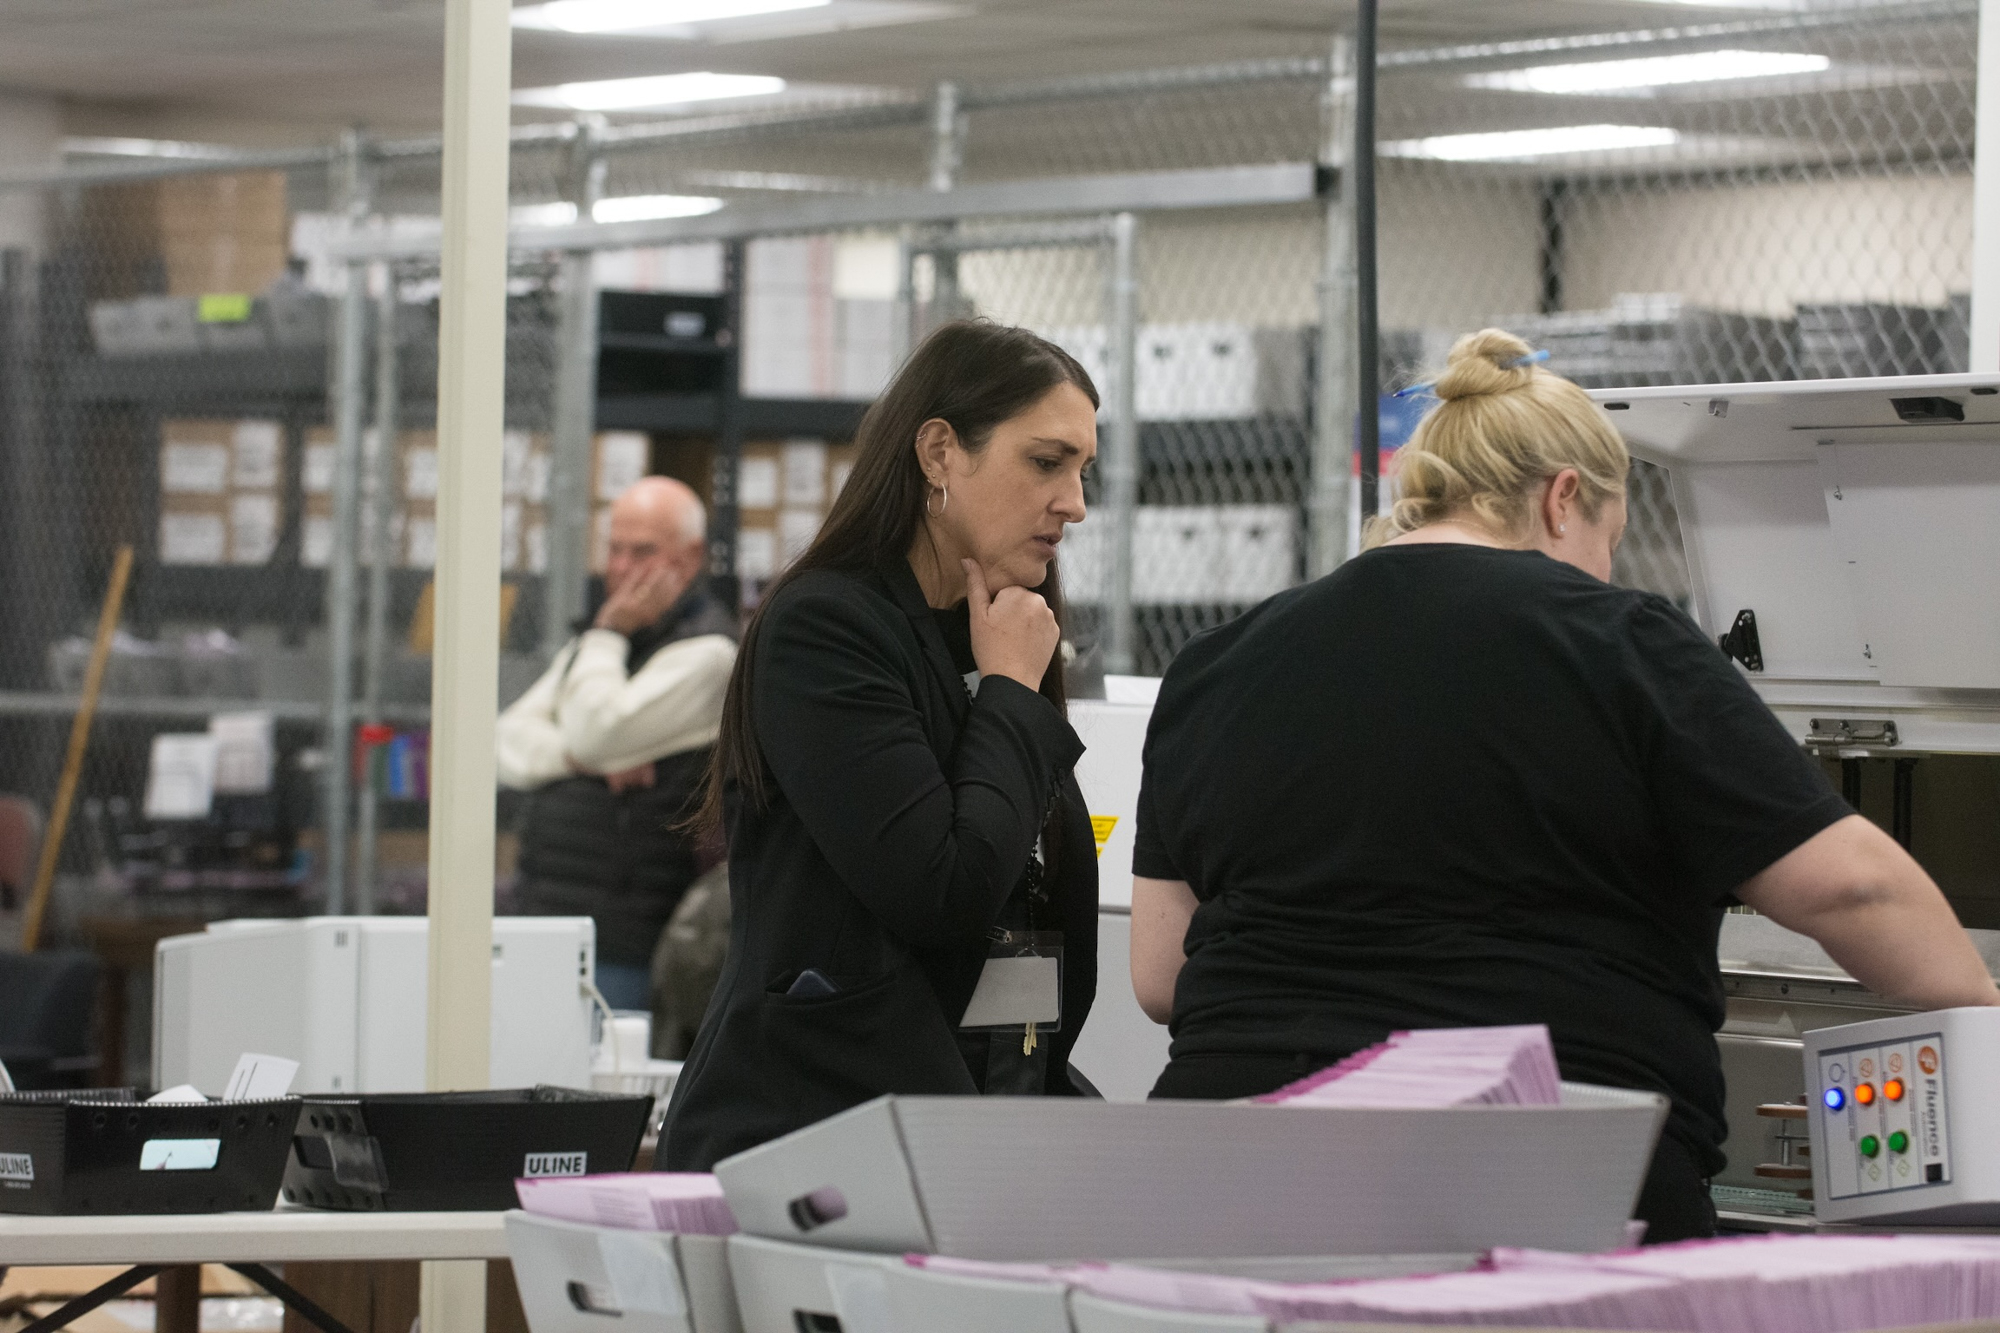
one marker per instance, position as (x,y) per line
(1512,1066)
(681,1202)
(1826,1284)
(1803,1284)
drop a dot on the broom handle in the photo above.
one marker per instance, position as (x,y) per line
(79,739)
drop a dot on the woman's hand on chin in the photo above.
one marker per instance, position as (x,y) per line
(1014,633)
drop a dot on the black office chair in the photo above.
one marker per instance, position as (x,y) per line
(47,1003)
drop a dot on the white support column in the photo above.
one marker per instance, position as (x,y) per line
(472,362)
(1986,196)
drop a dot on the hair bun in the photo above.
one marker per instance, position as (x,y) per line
(1485,362)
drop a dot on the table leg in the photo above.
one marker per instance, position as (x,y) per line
(177,1299)
(291,1296)
(90,1300)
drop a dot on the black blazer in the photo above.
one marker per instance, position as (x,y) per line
(901,818)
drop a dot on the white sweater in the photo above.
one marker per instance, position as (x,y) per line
(585,713)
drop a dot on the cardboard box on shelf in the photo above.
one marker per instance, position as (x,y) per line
(796,530)
(316,476)
(758,477)
(316,532)
(420,534)
(253,527)
(619,458)
(804,468)
(840,460)
(756,554)
(195,457)
(420,465)
(213,233)
(194,529)
(600,538)
(257,455)
(534,540)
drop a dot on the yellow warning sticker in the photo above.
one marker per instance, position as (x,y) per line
(1100,828)
(223,308)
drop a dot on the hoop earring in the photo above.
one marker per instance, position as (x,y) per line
(945,499)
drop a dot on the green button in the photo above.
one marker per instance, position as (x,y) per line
(1870,1145)
(1899,1142)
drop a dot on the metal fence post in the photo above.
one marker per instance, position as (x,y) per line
(1335,395)
(1985,350)
(384,492)
(1121,459)
(575,405)
(905,330)
(349,406)
(947,156)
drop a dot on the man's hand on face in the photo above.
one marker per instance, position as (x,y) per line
(643,598)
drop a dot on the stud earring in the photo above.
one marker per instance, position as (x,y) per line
(1561,528)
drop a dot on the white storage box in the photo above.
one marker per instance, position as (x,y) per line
(787,1288)
(345,997)
(924,1302)
(576,1278)
(1094,1314)
(1162,1180)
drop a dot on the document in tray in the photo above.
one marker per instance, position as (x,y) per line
(684,1202)
(1502,1066)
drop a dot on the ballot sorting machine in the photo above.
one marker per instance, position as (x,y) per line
(1843,547)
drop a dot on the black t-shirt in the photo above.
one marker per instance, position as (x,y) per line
(1450,785)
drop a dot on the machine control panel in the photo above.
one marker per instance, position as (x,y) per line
(1882,1110)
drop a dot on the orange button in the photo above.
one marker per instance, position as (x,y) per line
(1893,1089)
(1864,1094)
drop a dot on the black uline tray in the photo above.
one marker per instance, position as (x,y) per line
(102,1151)
(446,1151)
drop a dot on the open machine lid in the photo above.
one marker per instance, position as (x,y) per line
(1859,520)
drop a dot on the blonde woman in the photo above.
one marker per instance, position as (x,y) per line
(1464,780)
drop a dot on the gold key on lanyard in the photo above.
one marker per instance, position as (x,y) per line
(1028,1041)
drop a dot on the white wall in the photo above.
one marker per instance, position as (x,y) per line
(1761,249)
(30,137)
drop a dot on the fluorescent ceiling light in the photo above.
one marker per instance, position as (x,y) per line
(651,91)
(640,15)
(1506,145)
(1728,4)
(646,207)
(1611,76)
(559,214)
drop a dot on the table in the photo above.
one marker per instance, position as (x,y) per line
(245,1242)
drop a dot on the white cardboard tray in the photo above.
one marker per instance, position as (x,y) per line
(1060,1179)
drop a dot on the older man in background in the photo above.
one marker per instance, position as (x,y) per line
(612,742)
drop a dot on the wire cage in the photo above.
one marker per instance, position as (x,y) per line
(230,365)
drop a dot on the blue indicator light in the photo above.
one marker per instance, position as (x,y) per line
(1835,1099)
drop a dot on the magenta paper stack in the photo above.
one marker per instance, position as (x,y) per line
(1505,1066)
(1806,1284)
(681,1202)
(1812,1284)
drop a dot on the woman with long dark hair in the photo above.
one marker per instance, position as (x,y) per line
(911,865)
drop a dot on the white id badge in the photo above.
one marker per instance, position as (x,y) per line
(1021,984)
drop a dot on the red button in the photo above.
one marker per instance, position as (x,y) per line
(1893,1090)
(1864,1094)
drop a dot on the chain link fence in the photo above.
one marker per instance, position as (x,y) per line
(1786,196)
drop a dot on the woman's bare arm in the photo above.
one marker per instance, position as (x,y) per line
(1161,909)
(1875,910)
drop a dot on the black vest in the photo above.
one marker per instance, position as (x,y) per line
(619,859)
